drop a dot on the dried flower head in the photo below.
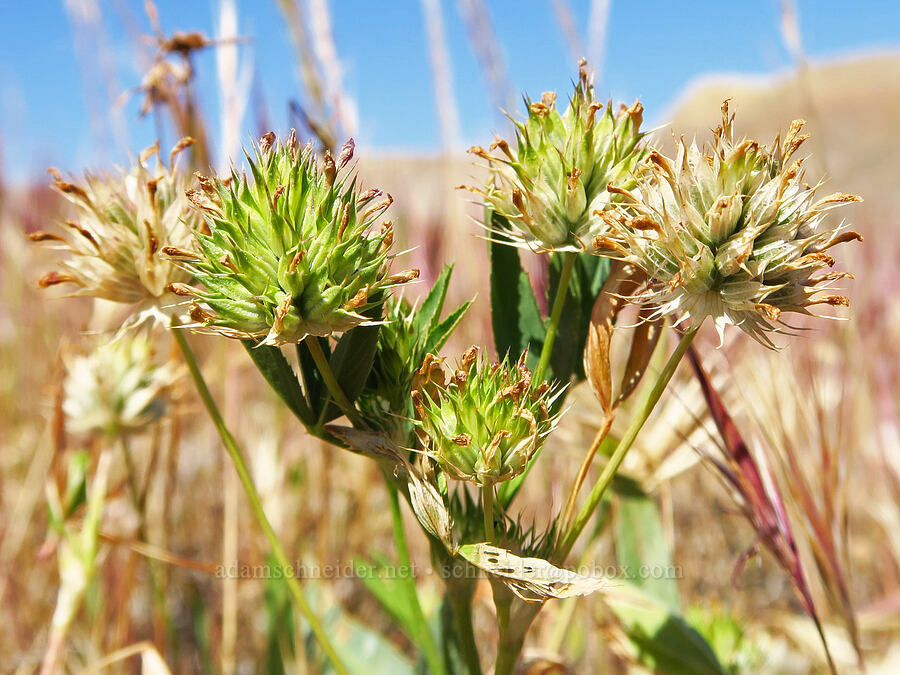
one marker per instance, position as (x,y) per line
(124,221)
(116,389)
(550,186)
(291,252)
(486,423)
(731,232)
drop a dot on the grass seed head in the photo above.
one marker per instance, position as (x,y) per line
(292,250)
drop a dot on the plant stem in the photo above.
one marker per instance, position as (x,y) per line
(487,505)
(555,313)
(424,638)
(137,503)
(585,467)
(615,461)
(461,608)
(334,388)
(240,466)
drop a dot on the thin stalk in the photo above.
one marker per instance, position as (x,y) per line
(487,505)
(585,467)
(131,470)
(243,473)
(424,639)
(555,313)
(334,388)
(615,461)
(461,608)
(137,503)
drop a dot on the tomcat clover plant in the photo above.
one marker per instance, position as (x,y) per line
(731,232)
(553,180)
(123,221)
(292,252)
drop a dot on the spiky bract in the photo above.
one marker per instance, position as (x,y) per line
(550,186)
(291,250)
(486,422)
(730,231)
(124,220)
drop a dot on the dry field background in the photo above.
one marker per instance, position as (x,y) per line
(329,507)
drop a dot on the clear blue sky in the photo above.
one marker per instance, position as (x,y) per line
(654,48)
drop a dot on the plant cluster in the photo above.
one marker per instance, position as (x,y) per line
(292,257)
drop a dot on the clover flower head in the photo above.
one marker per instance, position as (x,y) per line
(552,182)
(486,422)
(118,388)
(291,251)
(124,220)
(730,232)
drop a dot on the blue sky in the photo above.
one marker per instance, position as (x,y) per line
(654,48)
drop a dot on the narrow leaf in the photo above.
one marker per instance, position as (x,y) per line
(588,276)
(281,377)
(641,545)
(430,310)
(352,362)
(515,316)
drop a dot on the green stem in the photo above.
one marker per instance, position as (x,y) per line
(461,608)
(555,313)
(487,505)
(131,470)
(615,461)
(424,638)
(240,466)
(334,388)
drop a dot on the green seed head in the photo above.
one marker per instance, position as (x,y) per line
(731,232)
(486,423)
(291,251)
(124,220)
(552,184)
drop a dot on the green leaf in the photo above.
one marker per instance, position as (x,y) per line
(515,316)
(76,482)
(430,310)
(281,377)
(388,593)
(441,333)
(664,641)
(352,362)
(587,279)
(641,545)
(362,649)
(313,384)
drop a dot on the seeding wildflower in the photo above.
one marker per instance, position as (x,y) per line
(730,232)
(551,184)
(486,422)
(124,220)
(117,388)
(291,251)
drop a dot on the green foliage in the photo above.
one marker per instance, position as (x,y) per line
(515,316)
(663,640)
(641,545)
(408,334)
